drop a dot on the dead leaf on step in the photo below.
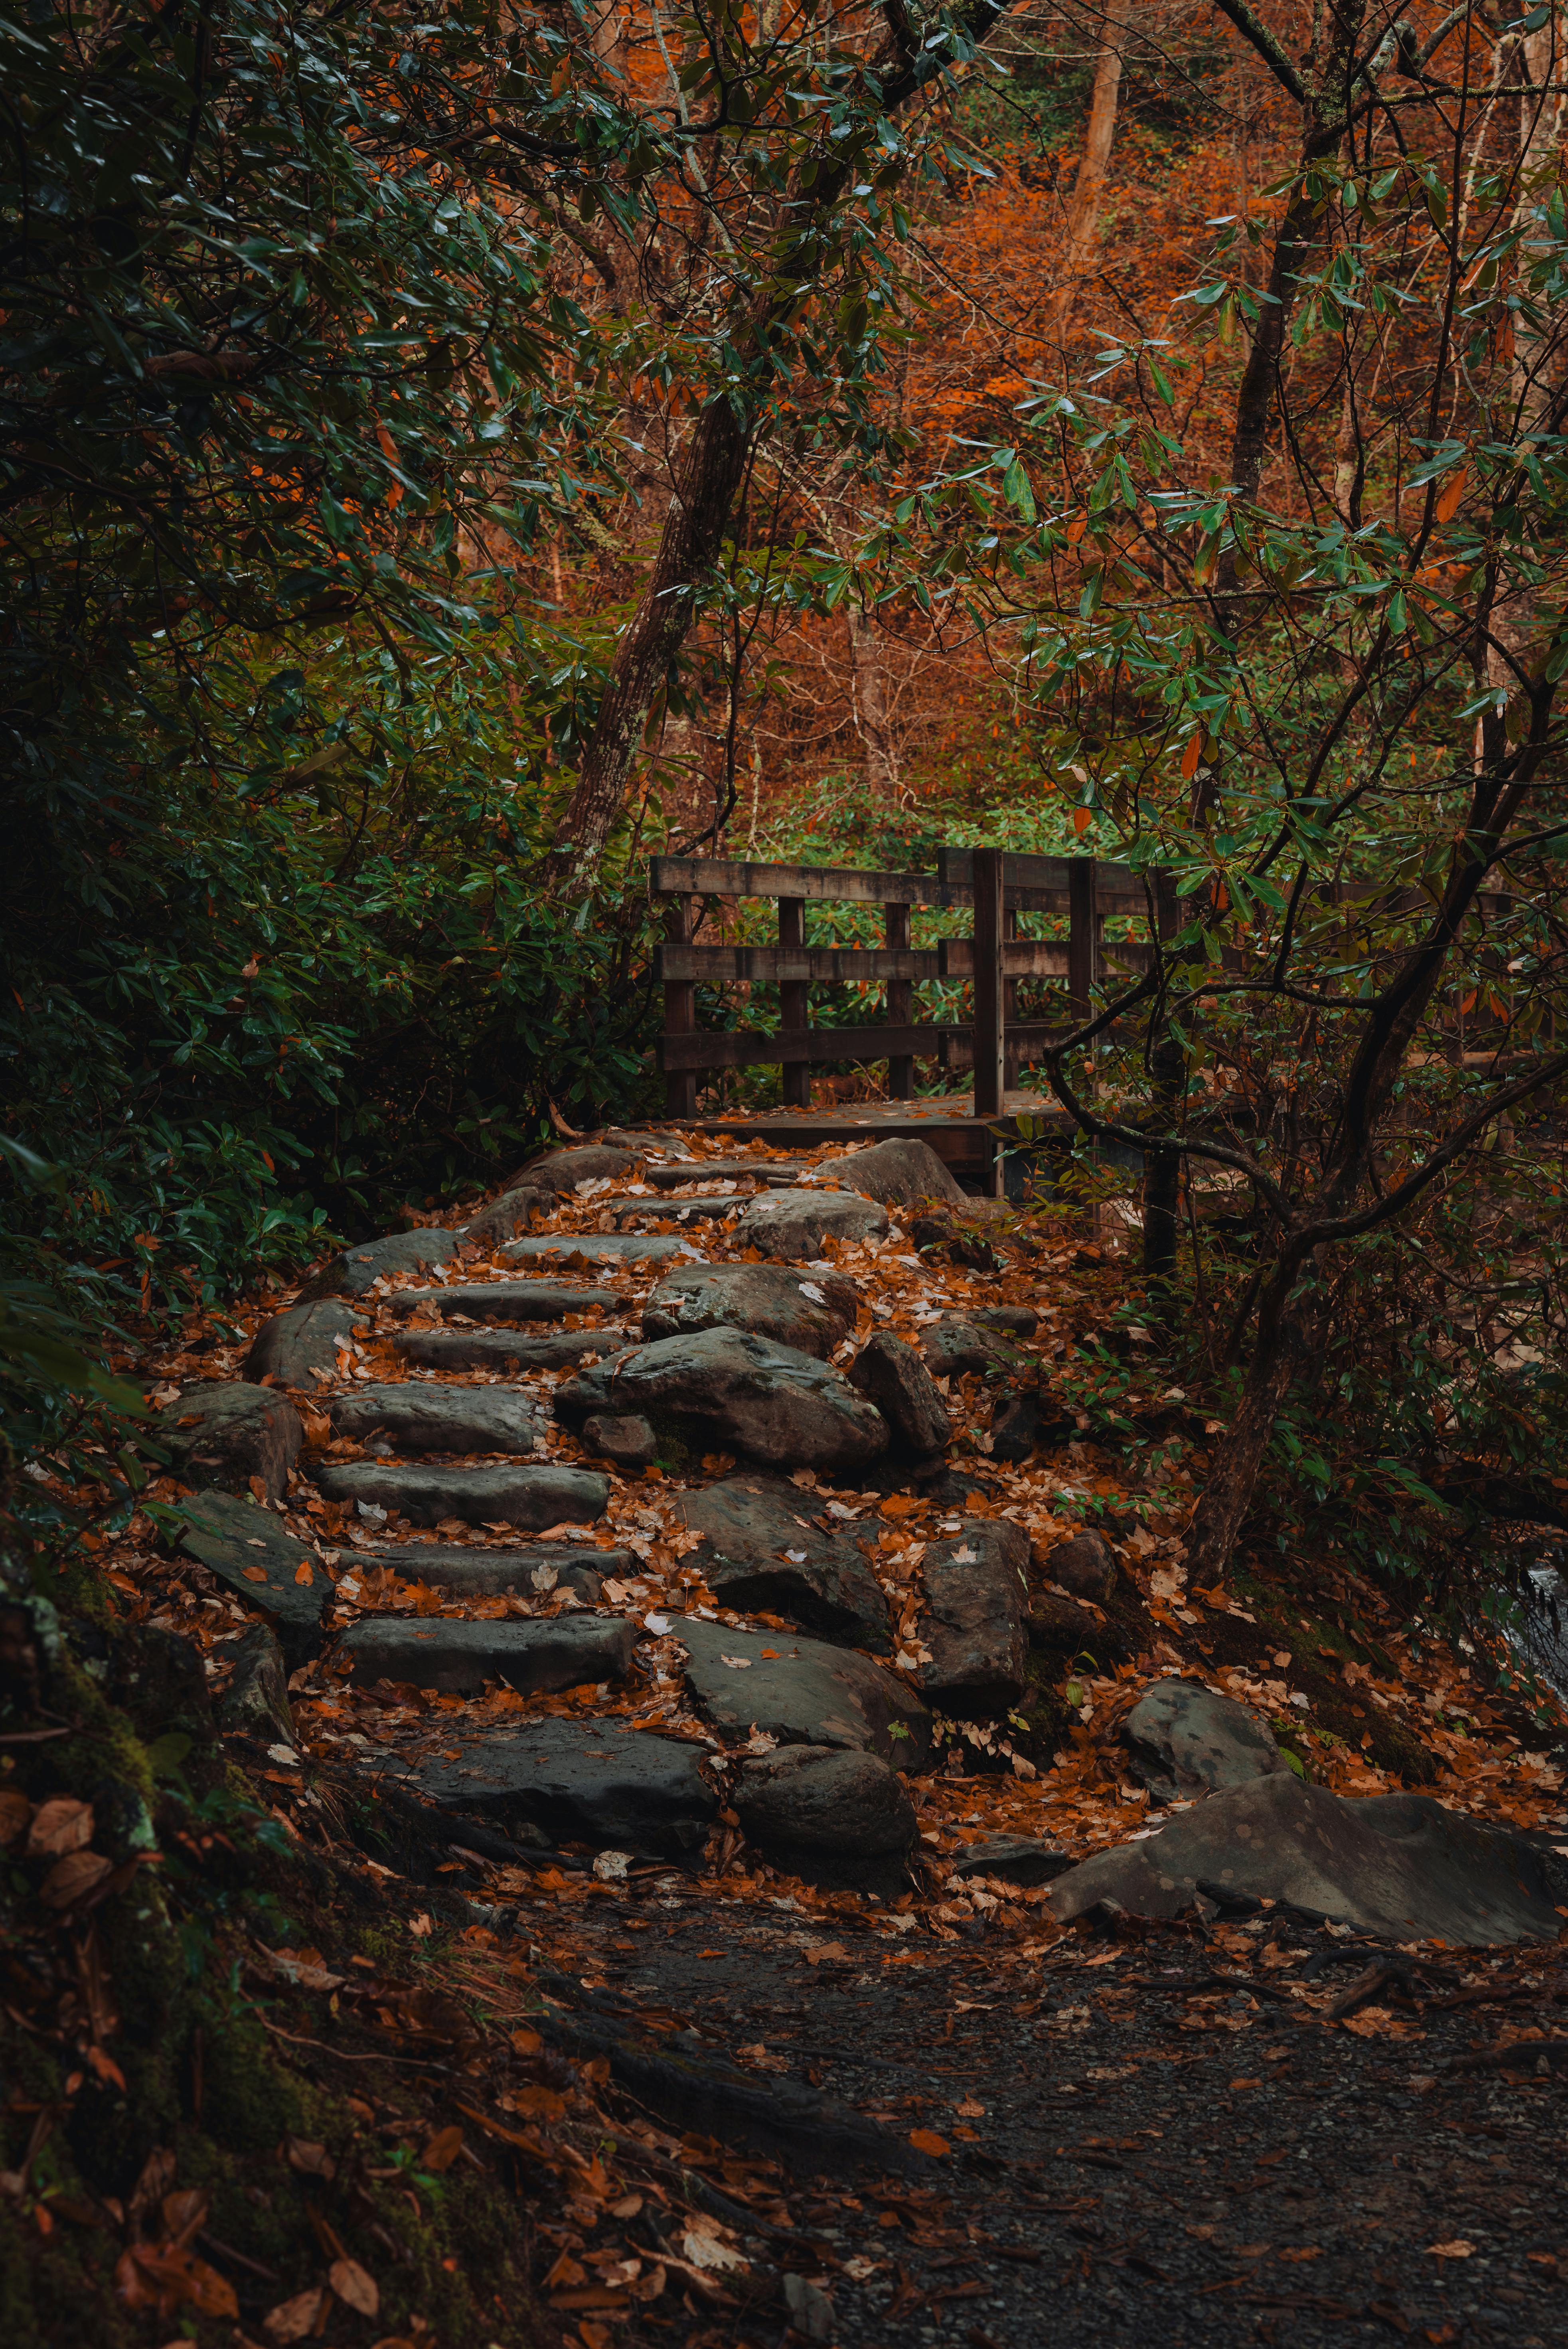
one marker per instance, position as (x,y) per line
(354,2287)
(293,2320)
(58,1826)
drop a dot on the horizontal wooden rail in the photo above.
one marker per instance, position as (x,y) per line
(820,966)
(1035,958)
(742,1049)
(717,876)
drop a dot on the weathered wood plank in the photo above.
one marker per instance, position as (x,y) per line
(989,1082)
(1118,888)
(820,966)
(739,1049)
(717,876)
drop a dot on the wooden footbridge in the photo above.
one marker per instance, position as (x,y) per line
(994,1046)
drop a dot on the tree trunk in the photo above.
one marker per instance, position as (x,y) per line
(1083,214)
(868,691)
(1279,1355)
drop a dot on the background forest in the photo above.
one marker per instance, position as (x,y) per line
(450,455)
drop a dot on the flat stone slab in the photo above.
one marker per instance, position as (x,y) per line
(709,1210)
(424,1416)
(356,1270)
(478,1573)
(899,1170)
(1399,1866)
(457,1657)
(295,1346)
(222,1432)
(761,1553)
(1013,1859)
(562,1170)
(600,1247)
(503,1301)
(1185,1739)
(253,1551)
(793,1225)
(529,1498)
(801,1691)
(725,1390)
(812,1311)
(977,1619)
(628,1790)
(499,1350)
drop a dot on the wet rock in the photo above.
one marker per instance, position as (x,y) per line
(509,1215)
(1085,1565)
(712,1210)
(530,1572)
(963,1342)
(892,1375)
(356,1270)
(505,1300)
(793,1225)
(974,1623)
(1398,1865)
(1063,1626)
(896,1172)
(234,1432)
(561,1171)
(762,1554)
(583,1782)
(624,1437)
(1020,1422)
(813,1312)
(1013,1320)
(456,1658)
(600,1247)
(1013,1859)
(800,1692)
(723,1389)
(501,1350)
(256,1701)
(422,1416)
(294,1347)
(530,1498)
(1185,1740)
(253,1551)
(842,1819)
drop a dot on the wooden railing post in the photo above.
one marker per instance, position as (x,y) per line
(793,998)
(680,1009)
(1083,936)
(900,1004)
(989,1073)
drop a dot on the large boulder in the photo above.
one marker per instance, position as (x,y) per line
(221,1432)
(355,1272)
(762,1553)
(422,1416)
(456,1657)
(976,1622)
(1397,1866)
(531,1570)
(561,1171)
(970,1342)
(892,1375)
(585,1782)
(300,1347)
(509,1215)
(813,1312)
(519,1301)
(250,1550)
(1186,1740)
(502,1350)
(801,1693)
(793,1225)
(530,1498)
(1084,1566)
(721,1389)
(840,1819)
(896,1171)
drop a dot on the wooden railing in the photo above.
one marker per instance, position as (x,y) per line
(995,1042)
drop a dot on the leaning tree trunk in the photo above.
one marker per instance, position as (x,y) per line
(1083,215)
(1279,1356)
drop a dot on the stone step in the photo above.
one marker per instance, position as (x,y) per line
(503,1301)
(762,1554)
(685,1211)
(590,1782)
(457,1657)
(598,1247)
(425,1493)
(801,1691)
(252,1551)
(424,1416)
(500,1573)
(500,1350)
